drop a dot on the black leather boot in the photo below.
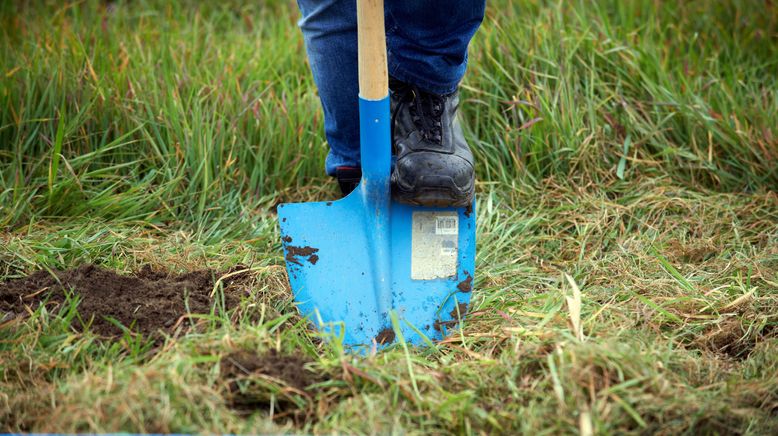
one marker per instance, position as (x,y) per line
(348,179)
(434,165)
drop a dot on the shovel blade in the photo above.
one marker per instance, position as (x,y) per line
(331,259)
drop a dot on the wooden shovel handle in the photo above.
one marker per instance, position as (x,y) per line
(373,76)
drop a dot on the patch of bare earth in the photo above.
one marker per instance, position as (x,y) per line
(149,301)
(272,381)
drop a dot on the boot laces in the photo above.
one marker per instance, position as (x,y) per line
(426,110)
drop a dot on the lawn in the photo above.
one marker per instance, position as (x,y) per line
(627,210)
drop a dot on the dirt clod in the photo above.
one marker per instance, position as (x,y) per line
(455,313)
(442,325)
(466,285)
(293,253)
(459,311)
(385,336)
(147,302)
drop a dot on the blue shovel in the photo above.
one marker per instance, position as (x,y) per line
(366,268)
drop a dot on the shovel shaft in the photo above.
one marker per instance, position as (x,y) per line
(375,146)
(374,129)
(373,76)
(374,136)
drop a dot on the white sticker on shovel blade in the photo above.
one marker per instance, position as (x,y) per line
(434,245)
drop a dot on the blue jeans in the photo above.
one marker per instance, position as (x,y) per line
(426,44)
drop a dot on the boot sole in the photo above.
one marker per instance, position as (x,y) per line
(434,196)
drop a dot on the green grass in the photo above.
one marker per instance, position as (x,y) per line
(630,145)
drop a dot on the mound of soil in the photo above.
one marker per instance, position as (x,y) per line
(254,380)
(147,302)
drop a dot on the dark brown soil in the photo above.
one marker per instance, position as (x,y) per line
(254,380)
(147,302)
(441,326)
(293,253)
(288,370)
(466,285)
(729,339)
(385,336)
(459,311)
(455,313)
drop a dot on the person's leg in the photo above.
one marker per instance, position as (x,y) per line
(427,41)
(330,31)
(427,46)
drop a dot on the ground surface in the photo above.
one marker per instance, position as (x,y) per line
(627,220)
(149,302)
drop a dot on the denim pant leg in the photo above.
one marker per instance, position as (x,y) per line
(427,40)
(427,46)
(330,31)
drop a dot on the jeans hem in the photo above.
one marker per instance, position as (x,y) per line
(406,76)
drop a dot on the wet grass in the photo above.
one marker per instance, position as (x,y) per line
(627,219)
